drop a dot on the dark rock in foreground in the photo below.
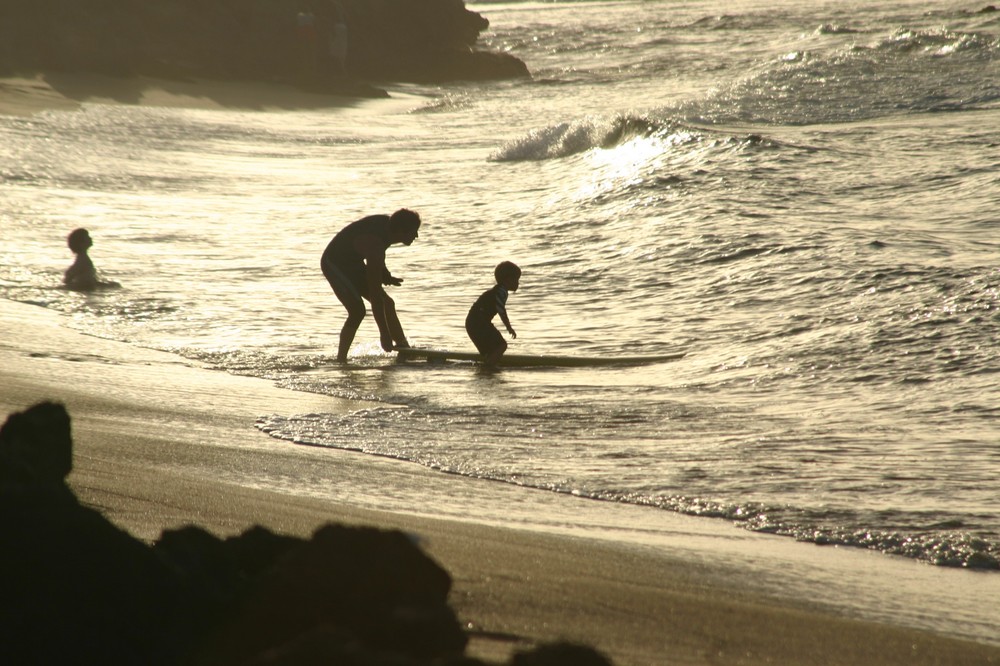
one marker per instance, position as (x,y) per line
(284,41)
(75,589)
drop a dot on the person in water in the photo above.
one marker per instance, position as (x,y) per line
(82,275)
(493,301)
(354,265)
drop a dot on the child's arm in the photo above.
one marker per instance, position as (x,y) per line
(502,311)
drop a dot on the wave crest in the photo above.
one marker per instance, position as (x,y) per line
(571,138)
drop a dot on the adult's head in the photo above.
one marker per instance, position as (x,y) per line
(79,240)
(403,226)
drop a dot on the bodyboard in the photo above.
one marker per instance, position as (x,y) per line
(535,360)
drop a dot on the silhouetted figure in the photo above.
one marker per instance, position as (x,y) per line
(493,301)
(338,41)
(36,447)
(344,596)
(354,265)
(305,27)
(82,275)
(74,589)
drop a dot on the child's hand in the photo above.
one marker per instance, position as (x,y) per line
(393,281)
(513,335)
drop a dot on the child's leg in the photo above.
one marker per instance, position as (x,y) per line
(494,356)
(486,337)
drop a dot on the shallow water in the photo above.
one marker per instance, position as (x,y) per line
(802,197)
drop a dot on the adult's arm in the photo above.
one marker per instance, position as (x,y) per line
(371,249)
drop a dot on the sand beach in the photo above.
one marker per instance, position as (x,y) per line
(160,443)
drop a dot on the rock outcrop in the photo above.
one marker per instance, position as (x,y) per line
(308,42)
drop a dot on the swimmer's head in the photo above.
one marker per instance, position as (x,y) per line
(79,240)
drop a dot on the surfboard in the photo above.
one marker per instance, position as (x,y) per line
(534,360)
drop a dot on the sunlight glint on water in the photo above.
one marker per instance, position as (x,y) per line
(801,196)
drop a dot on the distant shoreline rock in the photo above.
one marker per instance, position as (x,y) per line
(336,46)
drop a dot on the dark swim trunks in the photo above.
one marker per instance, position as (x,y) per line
(482,333)
(348,284)
(343,267)
(478,323)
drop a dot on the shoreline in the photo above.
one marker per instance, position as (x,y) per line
(28,95)
(174,444)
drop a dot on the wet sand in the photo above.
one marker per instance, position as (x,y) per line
(161,442)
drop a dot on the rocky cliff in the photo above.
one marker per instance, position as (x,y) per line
(291,41)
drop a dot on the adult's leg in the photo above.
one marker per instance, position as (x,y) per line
(355,315)
(348,294)
(392,321)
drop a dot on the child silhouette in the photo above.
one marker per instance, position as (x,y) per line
(493,301)
(82,275)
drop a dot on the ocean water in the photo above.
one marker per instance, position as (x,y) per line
(800,195)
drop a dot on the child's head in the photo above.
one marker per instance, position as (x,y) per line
(79,240)
(508,274)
